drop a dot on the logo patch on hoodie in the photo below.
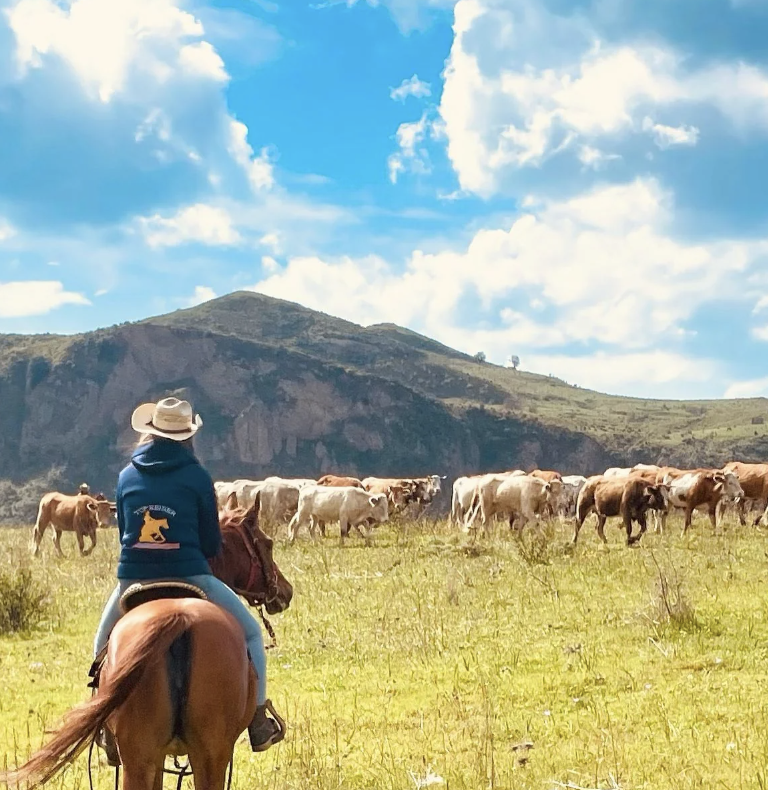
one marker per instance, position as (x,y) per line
(152,529)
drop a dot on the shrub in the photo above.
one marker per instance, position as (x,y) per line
(23,602)
(670,606)
(536,543)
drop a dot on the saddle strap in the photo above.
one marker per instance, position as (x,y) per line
(94,672)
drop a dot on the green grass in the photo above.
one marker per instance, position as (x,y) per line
(425,654)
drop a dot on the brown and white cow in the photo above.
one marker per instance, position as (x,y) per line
(398,491)
(81,514)
(337,481)
(700,490)
(630,498)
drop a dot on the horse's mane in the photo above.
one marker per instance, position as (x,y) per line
(229,519)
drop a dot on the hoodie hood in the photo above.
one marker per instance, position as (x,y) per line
(160,456)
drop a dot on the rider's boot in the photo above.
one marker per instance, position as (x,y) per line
(264,731)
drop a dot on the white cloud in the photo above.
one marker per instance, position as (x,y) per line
(510,101)
(202,60)
(6,230)
(199,223)
(598,271)
(269,264)
(35,297)
(411,87)
(753,388)
(102,41)
(271,240)
(411,155)
(202,294)
(594,158)
(762,304)
(258,168)
(667,136)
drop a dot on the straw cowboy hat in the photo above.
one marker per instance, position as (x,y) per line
(170,418)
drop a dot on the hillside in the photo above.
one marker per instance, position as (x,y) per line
(284,389)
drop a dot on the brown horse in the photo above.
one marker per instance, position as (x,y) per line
(176,679)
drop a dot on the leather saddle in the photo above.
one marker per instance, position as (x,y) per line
(144,591)
(141,592)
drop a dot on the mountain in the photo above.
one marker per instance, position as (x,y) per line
(283,389)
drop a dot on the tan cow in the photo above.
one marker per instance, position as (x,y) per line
(337,481)
(631,498)
(545,475)
(753,479)
(80,514)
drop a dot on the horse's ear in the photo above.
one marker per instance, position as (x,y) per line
(251,519)
(231,503)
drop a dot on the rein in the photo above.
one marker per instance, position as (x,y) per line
(258,564)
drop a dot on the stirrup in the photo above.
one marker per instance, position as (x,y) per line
(276,736)
(106,741)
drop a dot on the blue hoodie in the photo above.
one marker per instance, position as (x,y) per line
(166,513)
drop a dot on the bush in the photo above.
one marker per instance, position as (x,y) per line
(23,602)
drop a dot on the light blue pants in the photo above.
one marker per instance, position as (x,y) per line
(217,593)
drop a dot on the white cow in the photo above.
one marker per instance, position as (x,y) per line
(470,494)
(279,501)
(351,507)
(296,482)
(516,496)
(245,490)
(617,471)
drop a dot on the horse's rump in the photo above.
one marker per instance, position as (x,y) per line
(172,670)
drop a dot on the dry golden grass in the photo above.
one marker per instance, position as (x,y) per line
(424,660)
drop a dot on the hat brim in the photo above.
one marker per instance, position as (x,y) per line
(141,422)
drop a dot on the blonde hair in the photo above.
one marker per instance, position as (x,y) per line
(148,438)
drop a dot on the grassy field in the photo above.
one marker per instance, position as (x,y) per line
(423,660)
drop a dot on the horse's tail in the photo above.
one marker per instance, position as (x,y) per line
(40,524)
(83,722)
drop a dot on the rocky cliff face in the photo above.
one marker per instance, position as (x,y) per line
(65,417)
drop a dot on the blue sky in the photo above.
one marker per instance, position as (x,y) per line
(578,182)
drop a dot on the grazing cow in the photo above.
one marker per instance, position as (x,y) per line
(753,479)
(701,490)
(279,501)
(81,514)
(512,496)
(335,481)
(350,506)
(629,498)
(565,502)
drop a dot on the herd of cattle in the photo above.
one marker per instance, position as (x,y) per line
(519,497)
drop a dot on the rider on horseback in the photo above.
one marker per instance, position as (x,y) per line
(169,528)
